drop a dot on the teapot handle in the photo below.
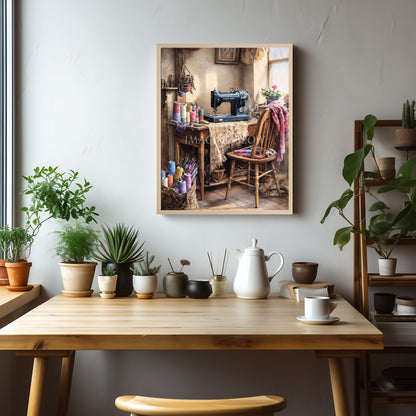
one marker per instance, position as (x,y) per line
(282,262)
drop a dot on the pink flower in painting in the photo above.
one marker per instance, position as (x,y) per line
(274,87)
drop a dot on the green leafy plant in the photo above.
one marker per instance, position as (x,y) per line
(109,271)
(144,268)
(15,243)
(386,228)
(55,194)
(408,115)
(76,242)
(119,245)
(272,92)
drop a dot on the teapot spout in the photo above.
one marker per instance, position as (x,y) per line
(238,253)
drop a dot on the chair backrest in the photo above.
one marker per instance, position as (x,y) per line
(266,134)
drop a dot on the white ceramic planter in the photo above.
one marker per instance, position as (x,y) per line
(387,267)
(77,277)
(107,286)
(144,286)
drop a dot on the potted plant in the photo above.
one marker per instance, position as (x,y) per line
(145,277)
(406,136)
(271,94)
(75,244)
(386,228)
(16,243)
(119,249)
(107,282)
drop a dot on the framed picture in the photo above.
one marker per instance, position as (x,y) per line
(225,132)
(227,56)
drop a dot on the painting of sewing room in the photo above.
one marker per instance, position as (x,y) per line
(225,129)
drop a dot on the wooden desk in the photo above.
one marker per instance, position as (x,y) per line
(62,325)
(11,301)
(198,137)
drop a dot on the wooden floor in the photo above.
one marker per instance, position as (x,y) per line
(240,197)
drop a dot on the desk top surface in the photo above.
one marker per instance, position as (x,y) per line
(11,301)
(162,323)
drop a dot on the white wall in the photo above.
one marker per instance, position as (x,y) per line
(86,100)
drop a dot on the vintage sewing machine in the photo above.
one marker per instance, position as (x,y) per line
(237,99)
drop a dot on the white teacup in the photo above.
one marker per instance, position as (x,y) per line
(318,308)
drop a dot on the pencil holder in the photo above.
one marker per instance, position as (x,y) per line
(219,284)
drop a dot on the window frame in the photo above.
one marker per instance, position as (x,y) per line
(270,63)
(7,113)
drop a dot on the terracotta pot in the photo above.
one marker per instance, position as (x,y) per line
(4,280)
(386,166)
(77,276)
(406,137)
(18,273)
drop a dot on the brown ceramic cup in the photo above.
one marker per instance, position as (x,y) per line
(304,272)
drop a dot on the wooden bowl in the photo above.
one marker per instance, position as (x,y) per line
(304,272)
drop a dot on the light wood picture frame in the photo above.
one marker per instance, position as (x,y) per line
(215,121)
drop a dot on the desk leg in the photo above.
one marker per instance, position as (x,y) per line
(37,386)
(201,156)
(65,383)
(339,387)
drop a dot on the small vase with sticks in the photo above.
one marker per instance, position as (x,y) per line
(218,280)
(174,283)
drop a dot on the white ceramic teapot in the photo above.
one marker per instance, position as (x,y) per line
(252,280)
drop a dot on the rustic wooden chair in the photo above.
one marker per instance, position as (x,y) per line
(245,406)
(265,139)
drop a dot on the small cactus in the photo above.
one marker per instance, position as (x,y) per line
(143,268)
(408,115)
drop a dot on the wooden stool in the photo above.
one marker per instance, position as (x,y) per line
(153,406)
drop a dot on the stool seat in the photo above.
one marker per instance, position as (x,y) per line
(153,406)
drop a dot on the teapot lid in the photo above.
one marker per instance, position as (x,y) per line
(254,250)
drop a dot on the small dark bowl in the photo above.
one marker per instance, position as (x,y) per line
(384,302)
(198,289)
(304,272)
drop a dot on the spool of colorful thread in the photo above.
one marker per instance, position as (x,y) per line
(170,180)
(182,187)
(192,117)
(201,114)
(177,111)
(165,182)
(183,113)
(178,173)
(189,108)
(163,174)
(188,180)
(171,167)
(188,117)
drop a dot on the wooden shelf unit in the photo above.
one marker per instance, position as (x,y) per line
(363,280)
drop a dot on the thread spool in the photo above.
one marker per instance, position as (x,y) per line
(183,113)
(163,174)
(192,117)
(178,173)
(188,118)
(177,117)
(188,180)
(189,108)
(177,107)
(171,167)
(165,182)
(170,180)
(182,187)
(201,114)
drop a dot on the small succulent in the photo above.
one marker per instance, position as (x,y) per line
(143,268)
(109,271)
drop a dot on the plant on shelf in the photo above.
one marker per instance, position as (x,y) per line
(270,94)
(406,136)
(145,277)
(107,282)
(75,244)
(386,228)
(120,248)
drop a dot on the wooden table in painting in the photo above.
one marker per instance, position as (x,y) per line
(62,325)
(198,138)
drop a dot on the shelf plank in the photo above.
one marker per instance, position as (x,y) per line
(399,279)
(11,301)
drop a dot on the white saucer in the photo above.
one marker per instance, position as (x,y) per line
(331,320)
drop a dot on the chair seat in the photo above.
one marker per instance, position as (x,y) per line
(265,159)
(149,406)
